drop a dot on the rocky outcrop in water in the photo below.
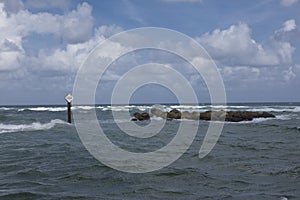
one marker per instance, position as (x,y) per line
(140,116)
(230,116)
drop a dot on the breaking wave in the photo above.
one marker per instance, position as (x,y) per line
(278,109)
(36,126)
(50,109)
(198,108)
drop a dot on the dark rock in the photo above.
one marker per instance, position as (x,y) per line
(267,115)
(141,117)
(174,114)
(237,116)
(205,115)
(145,116)
(231,116)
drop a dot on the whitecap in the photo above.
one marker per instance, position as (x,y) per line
(297,109)
(124,108)
(84,107)
(284,117)
(283,198)
(253,121)
(275,109)
(43,109)
(11,128)
(7,108)
(115,108)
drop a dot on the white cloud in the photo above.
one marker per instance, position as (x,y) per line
(289,25)
(53,65)
(243,60)
(288,31)
(236,47)
(75,28)
(287,3)
(108,31)
(68,60)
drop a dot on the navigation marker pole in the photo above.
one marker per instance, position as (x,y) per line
(69,99)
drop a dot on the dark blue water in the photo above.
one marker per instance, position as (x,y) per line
(42,157)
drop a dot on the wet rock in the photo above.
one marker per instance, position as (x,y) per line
(140,116)
(174,114)
(230,116)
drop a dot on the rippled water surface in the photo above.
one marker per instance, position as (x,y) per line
(42,157)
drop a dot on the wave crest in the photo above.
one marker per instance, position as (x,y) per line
(36,126)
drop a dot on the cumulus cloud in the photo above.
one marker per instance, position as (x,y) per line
(287,3)
(75,28)
(289,25)
(288,32)
(244,60)
(235,46)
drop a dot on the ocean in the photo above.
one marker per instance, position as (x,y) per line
(42,157)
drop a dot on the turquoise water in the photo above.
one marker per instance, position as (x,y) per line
(42,157)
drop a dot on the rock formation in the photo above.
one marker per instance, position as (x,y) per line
(230,116)
(140,116)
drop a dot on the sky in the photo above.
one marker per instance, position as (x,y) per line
(255,45)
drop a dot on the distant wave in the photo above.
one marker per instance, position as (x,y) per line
(50,109)
(6,108)
(145,108)
(11,128)
(278,109)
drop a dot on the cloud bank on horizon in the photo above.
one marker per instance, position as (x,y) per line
(256,45)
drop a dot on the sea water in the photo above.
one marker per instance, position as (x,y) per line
(42,157)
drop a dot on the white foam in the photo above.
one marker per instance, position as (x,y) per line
(157,118)
(254,121)
(199,108)
(6,108)
(297,109)
(115,108)
(276,109)
(39,109)
(284,117)
(84,107)
(125,108)
(283,198)
(11,128)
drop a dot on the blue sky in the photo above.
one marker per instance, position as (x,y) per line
(255,44)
